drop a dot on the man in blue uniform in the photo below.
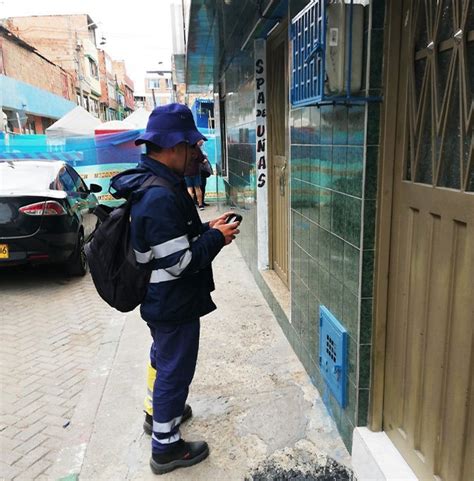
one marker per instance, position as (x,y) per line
(168,235)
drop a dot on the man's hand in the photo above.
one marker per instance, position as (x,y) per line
(223,217)
(229,231)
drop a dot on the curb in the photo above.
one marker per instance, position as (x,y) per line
(70,459)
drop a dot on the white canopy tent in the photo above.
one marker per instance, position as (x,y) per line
(76,123)
(136,121)
(139,118)
(115,125)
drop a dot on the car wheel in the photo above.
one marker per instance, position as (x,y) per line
(77,265)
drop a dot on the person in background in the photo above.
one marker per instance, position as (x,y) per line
(192,176)
(205,171)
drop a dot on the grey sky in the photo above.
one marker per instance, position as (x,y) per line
(137,31)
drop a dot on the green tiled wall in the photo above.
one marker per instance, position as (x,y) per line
(334,155)
(326,207)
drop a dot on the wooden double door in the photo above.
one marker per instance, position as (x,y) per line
(428,399)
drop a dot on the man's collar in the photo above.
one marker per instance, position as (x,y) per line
(160,169)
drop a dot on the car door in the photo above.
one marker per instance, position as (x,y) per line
(87,202)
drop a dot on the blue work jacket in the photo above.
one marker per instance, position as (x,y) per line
(168,236)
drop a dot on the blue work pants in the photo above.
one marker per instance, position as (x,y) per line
(173,354)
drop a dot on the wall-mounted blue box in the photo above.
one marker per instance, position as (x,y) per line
(333,354)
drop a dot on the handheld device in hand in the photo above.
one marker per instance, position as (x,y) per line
(233,218)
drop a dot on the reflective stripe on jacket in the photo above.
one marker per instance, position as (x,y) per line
(168,236)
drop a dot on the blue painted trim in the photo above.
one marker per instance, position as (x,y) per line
(322,75)
(339,100)
(17,95)
(349,67)
(269,22)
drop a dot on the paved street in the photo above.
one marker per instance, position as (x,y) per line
(51,328)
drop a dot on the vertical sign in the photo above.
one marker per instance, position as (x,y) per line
(261,151)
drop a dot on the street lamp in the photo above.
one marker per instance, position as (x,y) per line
(159,72)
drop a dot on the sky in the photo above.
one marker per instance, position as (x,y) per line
(137,31)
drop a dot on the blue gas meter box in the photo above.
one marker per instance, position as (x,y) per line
(333,354)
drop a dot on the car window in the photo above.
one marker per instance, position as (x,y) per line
(67,181)
(78,182)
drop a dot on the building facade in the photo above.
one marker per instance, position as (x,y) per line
(109,99)
(140,101)
(158,90)
(126,86)
(178,57)
(347,145)
(69,41)
(105,63)
(34,91)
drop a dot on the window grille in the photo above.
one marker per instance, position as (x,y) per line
(327,69)
(308,31)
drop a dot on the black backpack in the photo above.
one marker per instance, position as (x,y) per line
(119,279)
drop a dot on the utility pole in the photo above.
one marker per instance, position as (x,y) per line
(20,128)
(184,25)
(79,71)
(174,97)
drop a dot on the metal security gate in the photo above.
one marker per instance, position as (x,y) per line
(277,92)
(428,401)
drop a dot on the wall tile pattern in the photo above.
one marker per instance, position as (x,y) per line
(333,177)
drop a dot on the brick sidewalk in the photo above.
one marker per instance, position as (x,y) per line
(51,328)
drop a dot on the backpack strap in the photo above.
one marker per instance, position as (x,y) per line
(183,203)
(156,181)
(151,181)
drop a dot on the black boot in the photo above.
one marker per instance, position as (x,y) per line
(182,455)
(148,423)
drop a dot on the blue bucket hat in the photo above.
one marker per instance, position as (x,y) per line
(169,125)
